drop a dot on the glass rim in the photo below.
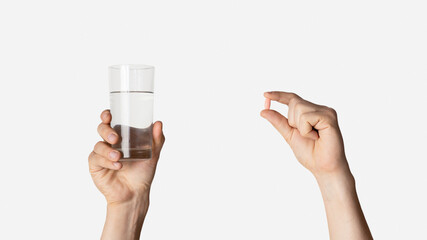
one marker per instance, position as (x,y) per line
(131,66)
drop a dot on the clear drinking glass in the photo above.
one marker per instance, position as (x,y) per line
(131,106)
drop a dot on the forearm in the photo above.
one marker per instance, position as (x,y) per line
(124,220)
(343,210)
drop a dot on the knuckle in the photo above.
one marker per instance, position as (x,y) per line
(293,95)
(303,124)
(291,122)
(332,112)
(292,102)
(91,155)
(303,118)
(331,116)
(298,105)
(294,99)
(98,145)
(100,127)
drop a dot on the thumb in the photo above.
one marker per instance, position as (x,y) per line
(279,122)
(158,139)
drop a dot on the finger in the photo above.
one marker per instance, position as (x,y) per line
(106,151)
(305,126)
(106,116)
(279,122)
(297,108)
(98,162)
(107,133)
(291,115)
(282,97)
(286,98)
(158,137)
(318,120)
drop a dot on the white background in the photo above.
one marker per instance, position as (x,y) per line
(225,173)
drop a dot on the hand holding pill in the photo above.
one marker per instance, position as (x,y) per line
(311,130)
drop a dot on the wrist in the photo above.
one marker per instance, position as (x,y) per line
(136,206)
(124,219)
(336,186)
(343,210)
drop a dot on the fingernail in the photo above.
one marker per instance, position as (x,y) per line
(114,155)
(112,137)
(116,164)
